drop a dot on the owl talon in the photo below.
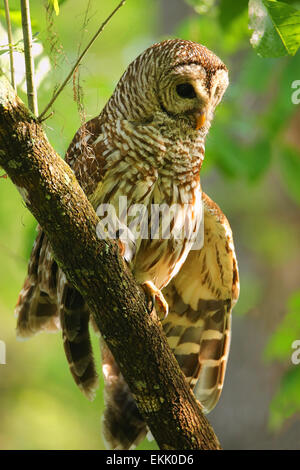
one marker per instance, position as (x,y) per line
(157,300)
(150,299)
(121,248)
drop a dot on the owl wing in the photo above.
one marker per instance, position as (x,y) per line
(47,301)
(201,298)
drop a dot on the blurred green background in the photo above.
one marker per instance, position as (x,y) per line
(251,169)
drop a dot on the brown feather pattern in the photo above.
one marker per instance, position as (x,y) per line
(145,145)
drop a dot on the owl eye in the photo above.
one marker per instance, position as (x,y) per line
(186,90)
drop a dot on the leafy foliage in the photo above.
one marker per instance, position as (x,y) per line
(276,28)
(275,24)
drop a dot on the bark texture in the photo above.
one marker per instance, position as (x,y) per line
(118,305)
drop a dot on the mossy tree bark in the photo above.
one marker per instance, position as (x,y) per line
(118,305)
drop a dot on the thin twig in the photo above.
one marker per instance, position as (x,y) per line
(29,63)
(62,86)
(55,45)
(10,44)
(84,25)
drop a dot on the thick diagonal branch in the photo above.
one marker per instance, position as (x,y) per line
(53,195)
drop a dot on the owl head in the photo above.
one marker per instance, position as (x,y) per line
(175,82)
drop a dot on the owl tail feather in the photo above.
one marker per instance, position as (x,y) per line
(36,309)
(74,318)
(48,302)
(123,426)
(35,312)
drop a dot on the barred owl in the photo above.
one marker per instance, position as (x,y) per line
(148,145)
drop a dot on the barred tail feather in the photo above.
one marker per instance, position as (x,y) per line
(35,312)
(213,357)
(123,426)
(48,302)
(36,308)
(74,317)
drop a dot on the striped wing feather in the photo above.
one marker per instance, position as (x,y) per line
(200,299)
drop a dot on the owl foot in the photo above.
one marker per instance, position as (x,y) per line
(158,300)
(121,248)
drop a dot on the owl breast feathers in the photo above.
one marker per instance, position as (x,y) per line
(145,150)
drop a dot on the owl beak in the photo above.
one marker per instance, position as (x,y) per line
(200,117)
(200,112)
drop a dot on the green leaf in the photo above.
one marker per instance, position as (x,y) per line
(280,344)
(55,6)
(276,28)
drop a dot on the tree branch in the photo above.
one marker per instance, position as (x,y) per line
(118,305)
